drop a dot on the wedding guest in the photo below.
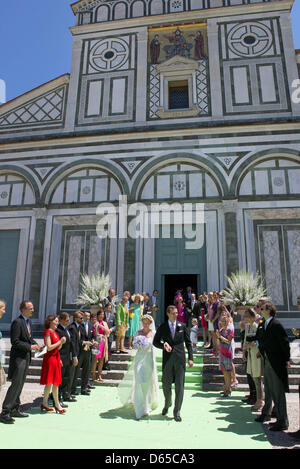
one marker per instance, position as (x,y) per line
(203,314)
(66,358)
(122,324)
(84,358)
(251,397)
(194,334)
(111,322)
(134,318)
(101,332)
(213,319)
(182,310)
(225,334)
(154,304)
(254,363)
(51,366)
(111,300)
(76,340)
(128,295)
(2,373)
(275,348)
(146,303)
(20,357)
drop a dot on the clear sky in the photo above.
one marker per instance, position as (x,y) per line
(36,44)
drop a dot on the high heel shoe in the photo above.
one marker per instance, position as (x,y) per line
(58,411)
(47,409)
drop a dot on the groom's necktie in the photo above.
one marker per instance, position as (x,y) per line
(173,329)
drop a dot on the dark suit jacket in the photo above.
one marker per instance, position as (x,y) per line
(196,310)
(112,323)
(86,336)
(182,336)
(66,350)
(21,343)
(76,341)
(275,344)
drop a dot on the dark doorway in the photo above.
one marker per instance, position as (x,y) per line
(178,282)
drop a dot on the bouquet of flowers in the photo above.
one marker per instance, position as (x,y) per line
(140,342)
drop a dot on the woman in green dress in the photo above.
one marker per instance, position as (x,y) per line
(122,316)
(134,317)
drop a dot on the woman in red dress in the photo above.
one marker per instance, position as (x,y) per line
(51,367)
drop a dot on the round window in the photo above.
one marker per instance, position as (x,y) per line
(249,40)
(109,54)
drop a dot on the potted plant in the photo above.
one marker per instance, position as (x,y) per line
(244,290)
(94,291)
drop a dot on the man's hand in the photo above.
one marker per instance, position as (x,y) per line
(75,361)
(190,363)
(35,347)
(167,347)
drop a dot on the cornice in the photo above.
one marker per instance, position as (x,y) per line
(153,134)
(193,15)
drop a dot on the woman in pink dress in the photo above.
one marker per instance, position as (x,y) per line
(101,332)
(181,308)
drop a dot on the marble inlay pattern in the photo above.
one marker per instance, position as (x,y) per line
(294,257)
(272,272)
(73,269)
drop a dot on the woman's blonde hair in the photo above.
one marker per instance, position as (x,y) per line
(2,303)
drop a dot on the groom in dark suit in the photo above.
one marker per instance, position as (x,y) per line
(20,357)
(171,337)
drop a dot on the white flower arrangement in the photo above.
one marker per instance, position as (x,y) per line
(94,289)
(140,342)
(244,289)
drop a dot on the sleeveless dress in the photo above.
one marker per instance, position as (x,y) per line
(134,322)
(140,384)
(51,366)
(226,351)
(100,331)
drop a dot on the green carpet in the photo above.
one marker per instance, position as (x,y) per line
(98,421)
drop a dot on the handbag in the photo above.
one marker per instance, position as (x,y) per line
(2,376)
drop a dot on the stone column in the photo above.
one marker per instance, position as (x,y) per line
(231,235)
(37,259)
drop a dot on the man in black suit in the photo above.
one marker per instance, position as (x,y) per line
(66,358)
(171,337)
(20,357)
(275,348)
(84,358)
(76,343)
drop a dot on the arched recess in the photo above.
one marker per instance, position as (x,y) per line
(120,11)
(269,174)
(17,187)
(103,13)
(86,183)
(180,177)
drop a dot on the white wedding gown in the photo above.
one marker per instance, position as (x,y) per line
(140,384)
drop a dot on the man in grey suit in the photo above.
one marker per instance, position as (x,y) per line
(171,337)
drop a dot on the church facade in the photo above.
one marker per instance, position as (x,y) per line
(190,105)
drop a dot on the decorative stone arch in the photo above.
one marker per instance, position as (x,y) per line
(272,172)
(17,187)
(137,8)
(97,177)
(102,13)
(120,11)
(184,171)
(156,7)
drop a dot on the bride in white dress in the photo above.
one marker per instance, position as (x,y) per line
(140,384)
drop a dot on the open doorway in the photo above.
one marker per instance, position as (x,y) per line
(172,283)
